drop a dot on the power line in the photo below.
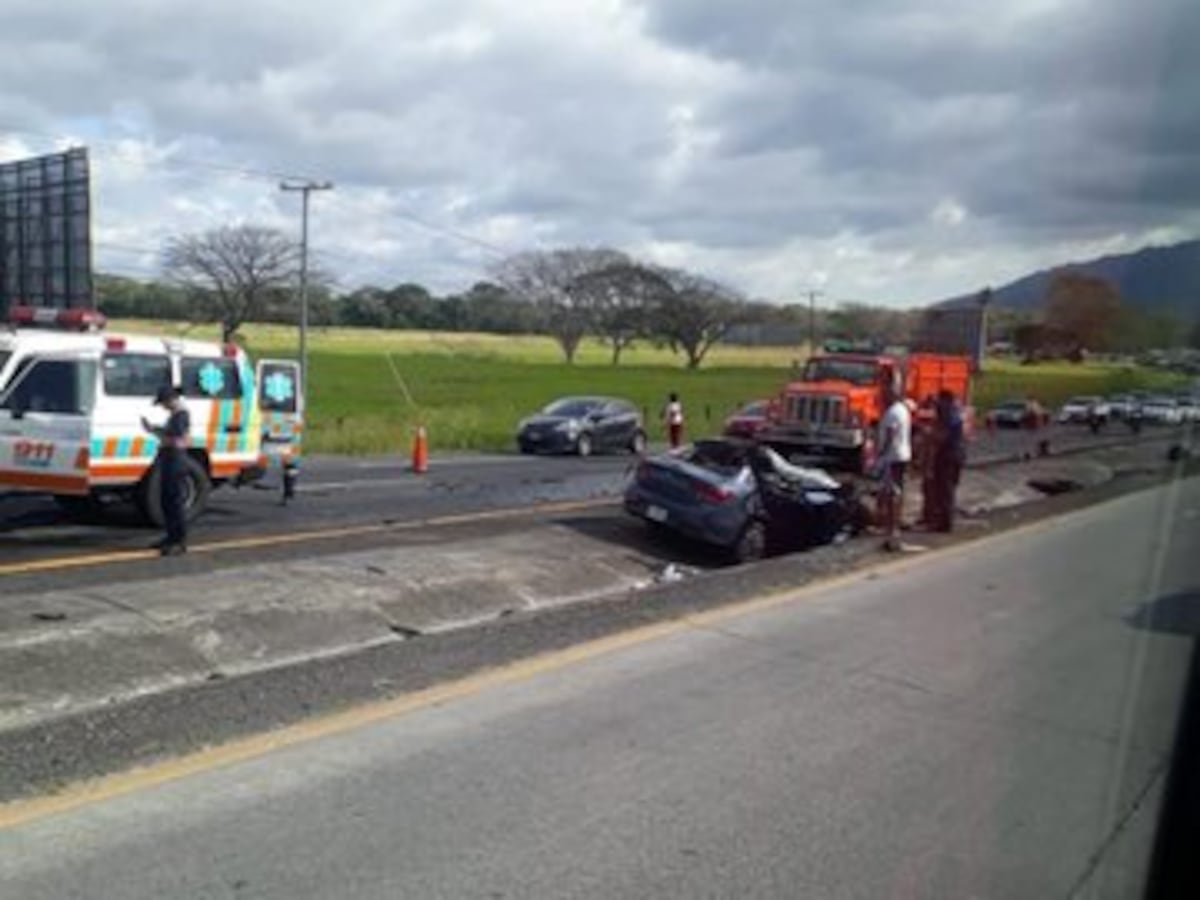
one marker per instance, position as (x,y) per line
(121,149)
(117,147)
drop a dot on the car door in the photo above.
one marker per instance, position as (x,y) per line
(604,425)
(281,401)
(625,423)
(45,424)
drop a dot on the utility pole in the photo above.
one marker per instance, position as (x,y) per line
(305,188)
(812,319)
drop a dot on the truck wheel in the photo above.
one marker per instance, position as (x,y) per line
(752,544)
(197,489)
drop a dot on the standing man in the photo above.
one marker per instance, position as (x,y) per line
(172,464)
(895,453)
(673,417)
(949,455)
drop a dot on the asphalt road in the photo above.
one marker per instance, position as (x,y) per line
(989,721)
(336,492)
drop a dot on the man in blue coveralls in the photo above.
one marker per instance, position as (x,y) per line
(172,463)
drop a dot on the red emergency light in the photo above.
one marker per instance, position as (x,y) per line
(49,317)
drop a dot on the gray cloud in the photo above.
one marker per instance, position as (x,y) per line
(878,144)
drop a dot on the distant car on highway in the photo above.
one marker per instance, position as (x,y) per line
(1084,409)
(1189,409)
(583,425)
(742,498)
(1009,414)
(748,421)
(1121,406)
(1159,410)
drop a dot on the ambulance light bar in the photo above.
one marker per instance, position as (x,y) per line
(49,317)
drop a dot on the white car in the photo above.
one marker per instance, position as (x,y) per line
(1082,409)
(1189,410)
(1162,411)
(1122,406)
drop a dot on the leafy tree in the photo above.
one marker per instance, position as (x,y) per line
(619,298)
(547,277)
(695,314)
(1084,307)
(489,307)
(232,273)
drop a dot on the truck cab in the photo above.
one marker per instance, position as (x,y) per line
(831,412)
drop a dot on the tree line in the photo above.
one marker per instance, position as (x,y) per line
(235,275)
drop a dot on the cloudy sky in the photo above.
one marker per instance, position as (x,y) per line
(886,151)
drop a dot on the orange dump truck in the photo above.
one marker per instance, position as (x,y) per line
(831,413)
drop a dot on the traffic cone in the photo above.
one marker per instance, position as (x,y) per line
(420,451)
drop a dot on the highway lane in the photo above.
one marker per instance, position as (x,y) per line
(334,492)
(340,491)
(988,721)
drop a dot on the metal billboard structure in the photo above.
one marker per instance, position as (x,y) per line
(959,331)
(45,232)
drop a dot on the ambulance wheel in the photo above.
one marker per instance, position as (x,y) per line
(197,489)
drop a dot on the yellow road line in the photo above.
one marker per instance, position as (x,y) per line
(112,557)
(111,787)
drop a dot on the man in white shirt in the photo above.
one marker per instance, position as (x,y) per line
(895,453)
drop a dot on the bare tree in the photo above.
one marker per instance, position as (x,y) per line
(547,278)
(234,272)
(620,298)
(695,314)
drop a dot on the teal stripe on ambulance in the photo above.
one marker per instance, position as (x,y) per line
(124,448)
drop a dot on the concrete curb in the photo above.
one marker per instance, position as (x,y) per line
(69,651)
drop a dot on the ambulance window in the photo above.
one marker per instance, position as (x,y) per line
(213,379)
(54,386)
(5,356)
(277,393)
(135,374)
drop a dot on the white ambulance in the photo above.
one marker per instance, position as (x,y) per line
(72,397)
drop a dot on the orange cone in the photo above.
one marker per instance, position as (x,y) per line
(420,451)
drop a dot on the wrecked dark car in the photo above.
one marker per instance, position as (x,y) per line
(743,498)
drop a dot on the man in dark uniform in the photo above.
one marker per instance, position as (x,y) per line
(949,456)
(172,464)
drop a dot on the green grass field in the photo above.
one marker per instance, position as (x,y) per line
(469,390)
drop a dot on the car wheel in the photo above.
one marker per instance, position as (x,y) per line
(752,544)
(525,448)
(583,446)
(637,445)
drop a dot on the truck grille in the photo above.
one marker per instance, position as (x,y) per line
(816,409)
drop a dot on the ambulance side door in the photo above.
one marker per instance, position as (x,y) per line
(45,423)
(281,402)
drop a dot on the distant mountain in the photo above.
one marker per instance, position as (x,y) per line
(1153,279)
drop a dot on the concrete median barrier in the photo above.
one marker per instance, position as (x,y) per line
(68,650)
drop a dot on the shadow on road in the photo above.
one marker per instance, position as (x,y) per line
(1173,614)
(631,534)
